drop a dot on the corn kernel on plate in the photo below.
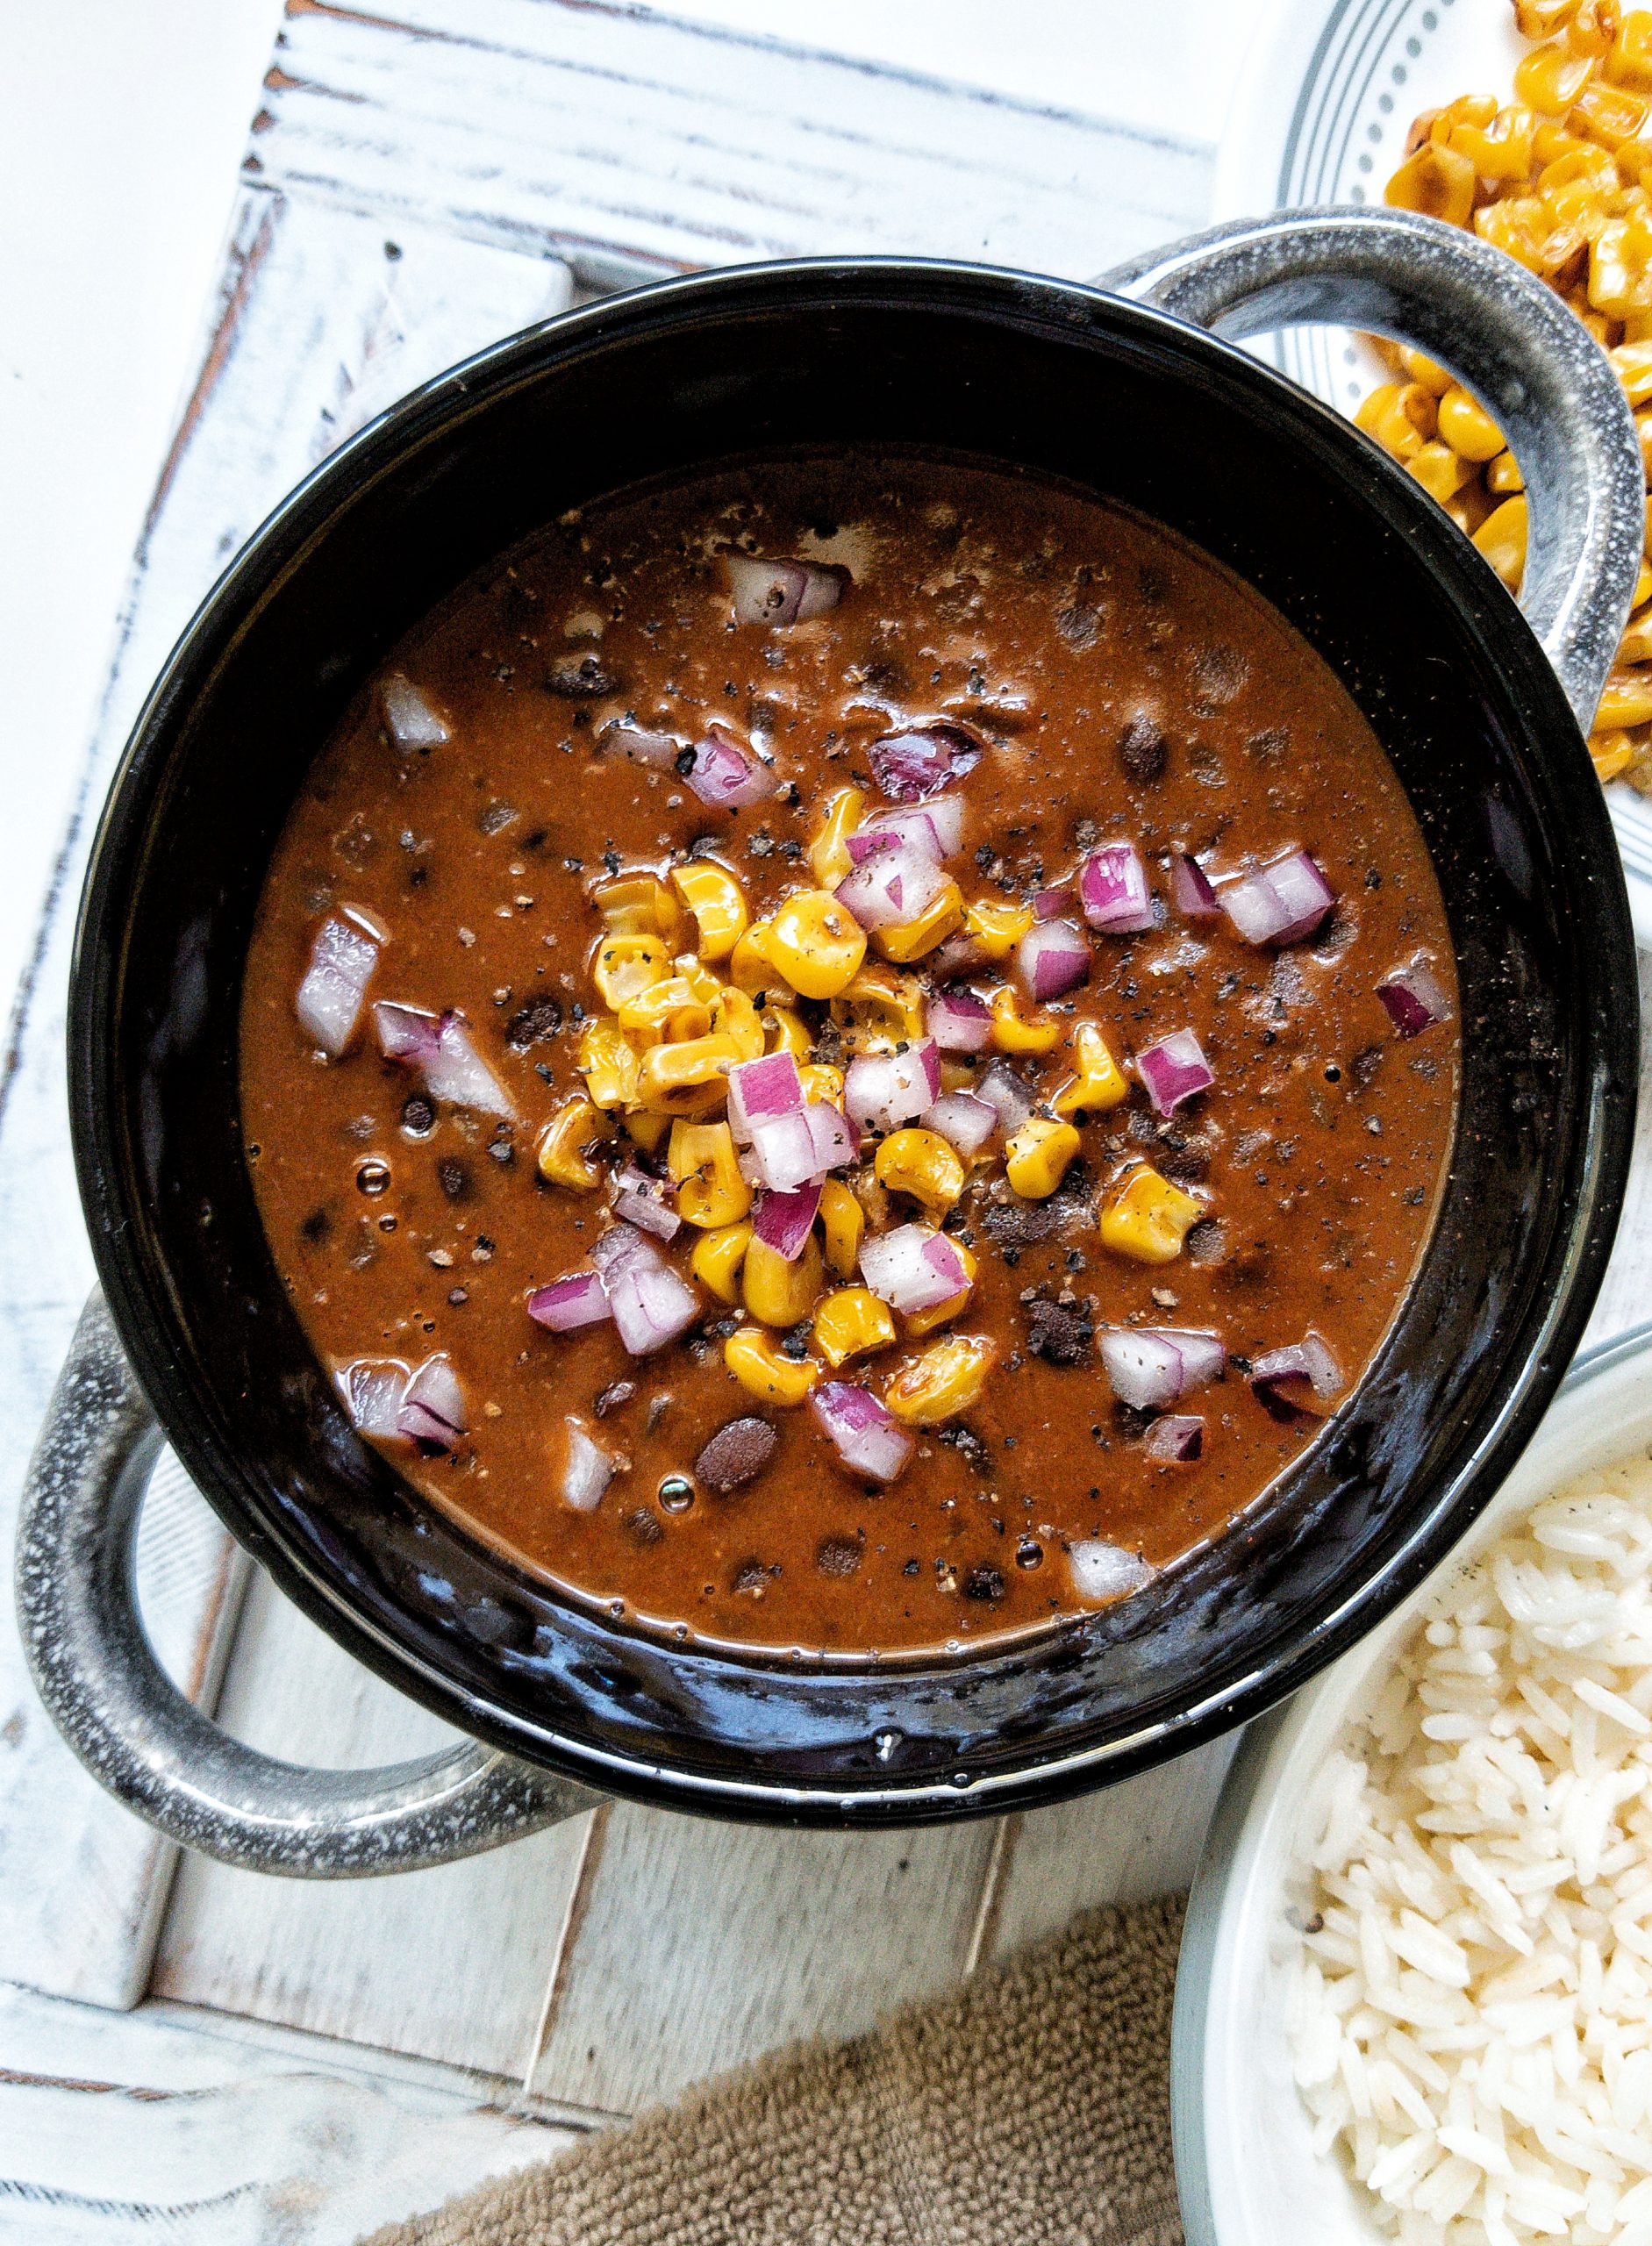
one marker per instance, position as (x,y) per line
(1545,146)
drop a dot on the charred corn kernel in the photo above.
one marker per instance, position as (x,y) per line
(843,1222)
(1580,184)
(683,1079)
(667,1014)
(1549,78)
(917,1323)
(1036,1156)
(1609,114)
(766,1371)
(923,1164)
(710,1192)
(1401,415)
(1635,646)
(1467,427)
(946,1379)
(562,1160)
(734,1017)
(1467,109)
(1620,267)
(607,1063)
(940,918)
(626,966)
(1629,61)
(1437,182)
(817,943)
(777,1292)
(1626,699)
(829,859)
(1014,1032)
(1527,231)
(639,904)
(717,903)
(1149,1218)
(821,1081)
(1096,1083)
(880,1009)
(1503,476)
(997,927)
(785,1031)
(1612,753)
(852,1322)
(753,966)
(1542,18)
(647,1131)
(1501,537)
(717,1258)
(1592,27)
(1499,146)
(1434,378)
(1552,141)
(1440,472)
(1631,363)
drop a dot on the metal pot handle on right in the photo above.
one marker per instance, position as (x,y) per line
(1510,340)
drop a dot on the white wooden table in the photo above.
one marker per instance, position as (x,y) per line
(196,2054)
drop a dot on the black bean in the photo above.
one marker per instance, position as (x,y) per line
(1143,752)
(736,1455)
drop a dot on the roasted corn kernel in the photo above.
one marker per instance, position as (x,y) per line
(1621,266)
(1437,182)
(1549,78)
(945,1379)
(997,925)
(817,943)
(1149,1218)
(1611,752)
(918,1322)
(821,1081)
(852,1322)
(684,1079)
(843,1223)
(717,1258)
(1629,62)
(1036,1156)
(785,1031)
(734,1017)
(710,1192)
(666,1014)
(829,859)
(767,1371)
(1503,476)
(1467,427)
(1626,699)
(778,1292)
(1401,415)
(607,1063)
(640,905)
(940,918)
(645,1131)
(880,1009)
(1014,1032)
(1501,537)
(1440,472)
(923,1164)
(562,1158)
(626,966)
(1096,1083)
(717,903)
(753,966)
(1609,114)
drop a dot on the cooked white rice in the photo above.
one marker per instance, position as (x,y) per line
(1471,2013)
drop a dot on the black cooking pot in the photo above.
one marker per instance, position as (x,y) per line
(1111,396)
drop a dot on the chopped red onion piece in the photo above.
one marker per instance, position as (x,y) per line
(758,1090)
(588,1472)
(329,1001)
(913,1268)
(890,887)
(1298,1381)
(960,954)
(1175,1441)
(935,828)
(962,1121)
(1112,889)
(406,1033)
(1414,996)
(910,766)
(1050,904)
(1101,1570)
(866,843)
(651,1305)
(781,1155)
(660,750)
(1151,1366)
(1003,1090)
(440,1046)
(869,1440)
(1279,902)
(1190,892)
(784,1221)
(724,776)
(773,591)
(619,1245)
(578,1299)
(883,1091)
(433,1410)
(1052,958)
(646,1202)
(372,1388)
(834,1142)
(958,1020)
(1174,1069)
(413,721)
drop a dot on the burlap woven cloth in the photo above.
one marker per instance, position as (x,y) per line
(1031,2108)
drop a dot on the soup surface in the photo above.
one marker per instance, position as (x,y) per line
(1120,1075)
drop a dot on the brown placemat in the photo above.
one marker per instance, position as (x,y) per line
(1030,2108)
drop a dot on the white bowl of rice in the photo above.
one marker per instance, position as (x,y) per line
(1415,2000)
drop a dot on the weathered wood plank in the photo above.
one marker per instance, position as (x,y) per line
(618,137)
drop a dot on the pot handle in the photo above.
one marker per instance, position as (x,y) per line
(139,1736)
(1507,337)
